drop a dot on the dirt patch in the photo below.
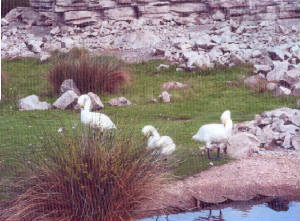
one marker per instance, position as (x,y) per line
(240,180)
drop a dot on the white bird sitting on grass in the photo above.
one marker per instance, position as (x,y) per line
(165,144)
(93,119)
(216,133)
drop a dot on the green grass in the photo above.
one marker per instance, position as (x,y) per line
(202,103)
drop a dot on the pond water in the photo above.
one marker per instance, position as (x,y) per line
(271,211)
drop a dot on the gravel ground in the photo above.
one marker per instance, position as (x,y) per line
(268,175)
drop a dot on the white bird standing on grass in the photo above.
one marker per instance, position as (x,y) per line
(93,119)
(165,144)
(217,133)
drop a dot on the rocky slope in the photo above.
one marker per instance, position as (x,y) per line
(273,46)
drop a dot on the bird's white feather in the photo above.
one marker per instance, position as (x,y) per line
(164,143)
(93,119)
(209,133)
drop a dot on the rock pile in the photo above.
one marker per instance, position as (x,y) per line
(86,12)
(272,46)
(32,102)
(279,128)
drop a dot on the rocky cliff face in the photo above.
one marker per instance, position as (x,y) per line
(85,12)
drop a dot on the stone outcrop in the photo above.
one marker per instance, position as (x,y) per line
(69,84)
(261,33)
(32,102)
(165,97)
(119,102)
(279,128)
(66,101)
(85,12)
(242,145)
(96,102)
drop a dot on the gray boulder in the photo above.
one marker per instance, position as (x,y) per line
(136,40)
(292,76)
(165,97)
(276,54)
(96,101)
(44,56)
(242,145)
(66,101)
(260,68)
(296,89)
(69,84)
(32,102)
(254,81)
(119,101)
(173,85)
(271,86)
(295,140)
(162,66)
(34,45)
(282,91)
(277,74)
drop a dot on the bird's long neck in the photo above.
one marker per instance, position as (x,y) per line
(228,127)
(155,134)
(87,105)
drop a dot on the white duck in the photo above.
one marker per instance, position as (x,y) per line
(93,119)
(217,133)
(164,143)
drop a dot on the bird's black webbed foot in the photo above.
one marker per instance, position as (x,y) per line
(215,158)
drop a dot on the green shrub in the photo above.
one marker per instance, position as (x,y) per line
(98,74)
(7,5)
(75,178)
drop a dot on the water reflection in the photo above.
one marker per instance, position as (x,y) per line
(279,204)
(211,217)
(271,210)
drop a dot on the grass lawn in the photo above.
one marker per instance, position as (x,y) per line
(205,100)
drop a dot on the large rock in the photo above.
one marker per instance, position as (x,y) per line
(120,14)
(188,7)
(255,82)
(292,76)
(276,54)
(271,86)
(25,14)
(295,140)
(138,39)
(96,101)
(69,84)
(119,101)
(173,85)
(260,68)
(165,97)
(66,101)
(81,17)
(197,59)
(296,89)
(242,145)
(277,74)
(34,45)
(282,91)
(32,102)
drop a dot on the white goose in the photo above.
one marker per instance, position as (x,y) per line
(165,144)
(209,133)
(93,119)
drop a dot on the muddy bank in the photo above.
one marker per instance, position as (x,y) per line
(241,180)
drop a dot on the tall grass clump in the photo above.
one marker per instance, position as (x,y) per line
(98,74)
(81,179)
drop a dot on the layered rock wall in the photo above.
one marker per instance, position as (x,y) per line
(84,12)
